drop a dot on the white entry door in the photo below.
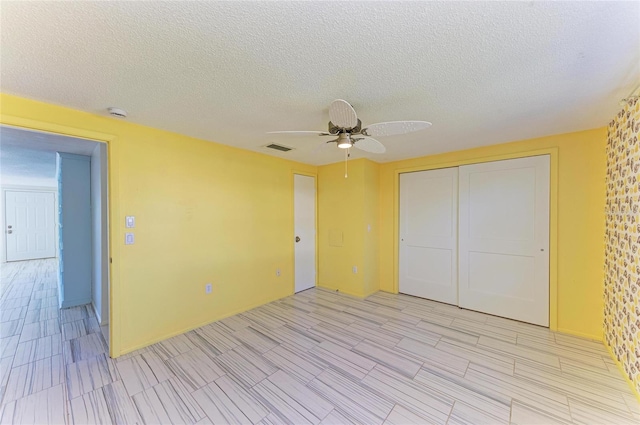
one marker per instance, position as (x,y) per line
(428,234)
(30,225)
(504,238)
(304,210)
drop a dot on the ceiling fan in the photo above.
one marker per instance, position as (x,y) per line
(345,125)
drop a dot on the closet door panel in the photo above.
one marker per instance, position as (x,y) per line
(504,238)
(428,234)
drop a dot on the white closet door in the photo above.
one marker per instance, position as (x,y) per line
(504,238)
(428,234)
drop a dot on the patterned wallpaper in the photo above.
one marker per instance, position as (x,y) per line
(622,240)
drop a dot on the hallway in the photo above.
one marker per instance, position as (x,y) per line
(38,340)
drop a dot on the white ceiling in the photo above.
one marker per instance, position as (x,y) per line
(228,72)
(29,157)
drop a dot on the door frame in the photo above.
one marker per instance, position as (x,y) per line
(293,227)
(553,216)
(112,203)
(25,188)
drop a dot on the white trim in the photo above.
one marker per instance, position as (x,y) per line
(75,303)
(97,313)
(28,188)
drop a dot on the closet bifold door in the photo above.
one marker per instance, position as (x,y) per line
(428,234)
(504,238)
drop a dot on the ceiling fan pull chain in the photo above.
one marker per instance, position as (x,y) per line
(346,160)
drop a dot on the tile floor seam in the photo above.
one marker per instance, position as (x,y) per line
(453,405)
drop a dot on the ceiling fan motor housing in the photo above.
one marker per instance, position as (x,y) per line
(334,129)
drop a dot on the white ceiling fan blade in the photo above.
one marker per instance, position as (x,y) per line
(342,114)
(368,144)
(392,128)
(302,133)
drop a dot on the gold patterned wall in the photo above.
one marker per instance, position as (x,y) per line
(622,241)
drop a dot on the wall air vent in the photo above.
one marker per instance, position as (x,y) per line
(279,147)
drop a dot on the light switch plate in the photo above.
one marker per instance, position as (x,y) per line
(130,222)
(128,239)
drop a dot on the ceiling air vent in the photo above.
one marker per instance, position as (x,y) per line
(279,147)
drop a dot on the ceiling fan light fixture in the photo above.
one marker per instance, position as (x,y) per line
(344,141)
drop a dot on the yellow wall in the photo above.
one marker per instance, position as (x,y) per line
(204,213)
(577,220)
(371,227)
(211,213)
(345,208)
(340,216)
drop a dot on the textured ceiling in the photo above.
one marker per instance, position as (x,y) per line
(29,157)
(228,72)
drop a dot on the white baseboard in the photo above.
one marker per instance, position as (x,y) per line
(74,303)
(95,311)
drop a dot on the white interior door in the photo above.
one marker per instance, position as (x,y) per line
(30,225)
(428,234)
(504,238)
(304,208)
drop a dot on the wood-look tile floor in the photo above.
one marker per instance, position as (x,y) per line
(315,357)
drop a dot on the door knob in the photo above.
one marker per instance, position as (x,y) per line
(297,239)
(9,231)
(9,227)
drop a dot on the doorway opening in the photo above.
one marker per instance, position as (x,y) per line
(304,212)
(54,193)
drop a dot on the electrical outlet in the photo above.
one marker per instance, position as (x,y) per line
(355,269)
(278,272)
(207,288)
